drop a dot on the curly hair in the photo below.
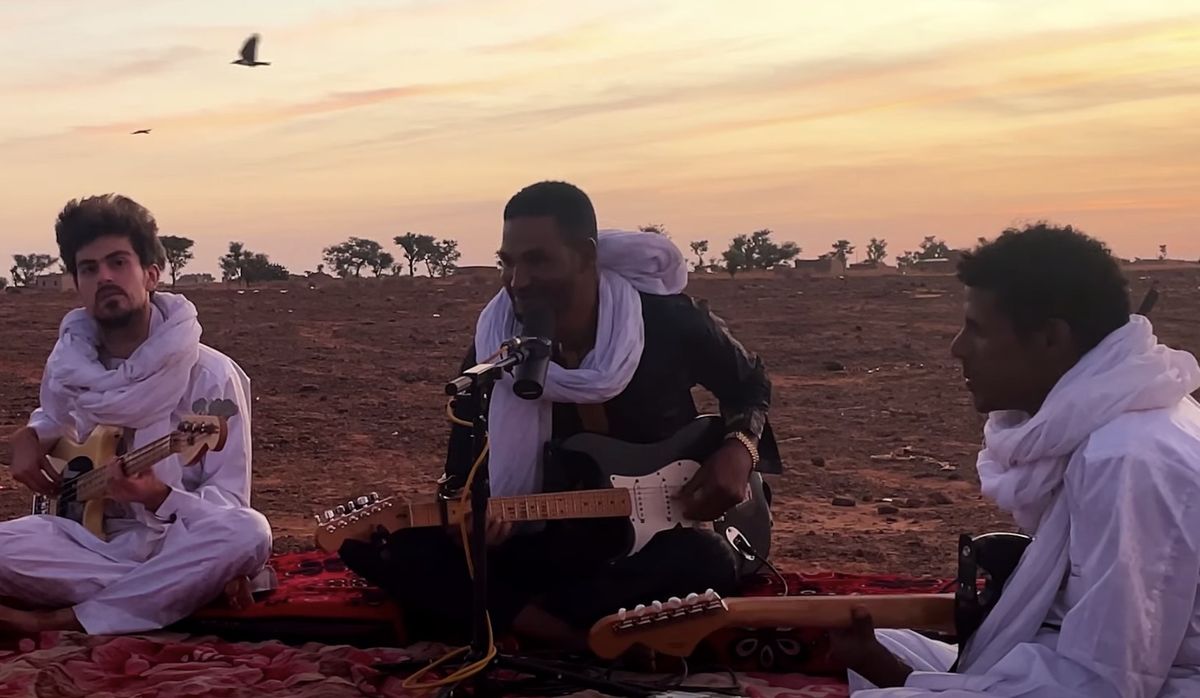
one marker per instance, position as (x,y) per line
(1043,272)
(83,221)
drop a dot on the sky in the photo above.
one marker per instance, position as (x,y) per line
(819,120)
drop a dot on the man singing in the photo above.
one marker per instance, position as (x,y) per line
(628,348)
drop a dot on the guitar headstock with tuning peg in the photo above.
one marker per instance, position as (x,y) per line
(355,518)
(674,627)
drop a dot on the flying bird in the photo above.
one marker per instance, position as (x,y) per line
(140,130)
(250,53)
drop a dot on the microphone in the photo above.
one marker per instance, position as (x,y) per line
(537,332)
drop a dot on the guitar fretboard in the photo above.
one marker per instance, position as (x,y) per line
(134,462)
(582,504)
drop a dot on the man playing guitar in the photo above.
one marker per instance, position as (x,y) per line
(173,536)
(628,347)
(1093,444)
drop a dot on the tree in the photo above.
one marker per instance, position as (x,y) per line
(28,267)
(233,262)
(417,248)
(876,250)
(258,267)
(384,261)
(1162,252)
(699,248)
(735,257)
(933,248)
(757,251)
(656,228)
(240,264)
(354,254)
(930,248)
(179,253)
(443,260)
(843,249)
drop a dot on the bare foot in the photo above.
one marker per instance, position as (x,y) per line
(16,622)
(237,593)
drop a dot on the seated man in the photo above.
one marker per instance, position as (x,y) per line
(130,358)
(628,348)
(1093,444)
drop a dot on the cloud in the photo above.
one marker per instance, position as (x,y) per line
(590,33)
(136,65)
(258,114)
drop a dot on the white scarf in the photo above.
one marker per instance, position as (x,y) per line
(142,392)
(1024,461)
(518,428)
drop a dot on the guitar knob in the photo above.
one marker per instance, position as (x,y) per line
(691,598)
(374,496)
(710,595)
(674,602)
(639,609)
(621,614)
(657,606)
(341,510)
(329,514)
(362,501)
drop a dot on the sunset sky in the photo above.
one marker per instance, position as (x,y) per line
(819,120)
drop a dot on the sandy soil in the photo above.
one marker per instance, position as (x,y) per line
(348,399)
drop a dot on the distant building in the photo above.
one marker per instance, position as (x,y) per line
(478,274)
(873,268)
(57,281)
(937,265)
(195,280)
(825,265)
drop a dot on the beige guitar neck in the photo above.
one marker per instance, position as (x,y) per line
(917,611)
(534,507)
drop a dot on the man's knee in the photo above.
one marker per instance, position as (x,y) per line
(242,532)
(700,557)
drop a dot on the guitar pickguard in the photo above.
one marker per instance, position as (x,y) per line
(655,507)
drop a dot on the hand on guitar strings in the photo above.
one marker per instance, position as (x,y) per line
(860,651)
(722,483)
(29,464)
(497,531)
(144,488)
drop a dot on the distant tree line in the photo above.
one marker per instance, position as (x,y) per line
(439,258)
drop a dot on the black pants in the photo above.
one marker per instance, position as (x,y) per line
(425,571)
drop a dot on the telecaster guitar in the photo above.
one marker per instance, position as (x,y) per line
(677,626)
(85,481)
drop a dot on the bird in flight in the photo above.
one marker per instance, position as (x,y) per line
(140,130)
(250,53)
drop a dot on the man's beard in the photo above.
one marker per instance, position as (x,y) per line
(118,322)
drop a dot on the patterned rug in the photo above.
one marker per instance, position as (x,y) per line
(320,633)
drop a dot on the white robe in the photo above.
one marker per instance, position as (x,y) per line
(1126,621)
(153,571)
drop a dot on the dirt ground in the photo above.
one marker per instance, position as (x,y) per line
(348,399)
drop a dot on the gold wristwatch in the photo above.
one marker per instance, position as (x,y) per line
(748,442)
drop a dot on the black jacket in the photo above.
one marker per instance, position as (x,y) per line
(685,345)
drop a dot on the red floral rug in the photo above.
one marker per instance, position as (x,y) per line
(319,634)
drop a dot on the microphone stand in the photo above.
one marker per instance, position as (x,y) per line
(480,380)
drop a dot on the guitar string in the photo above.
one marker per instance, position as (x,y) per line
(89,481)
(576,495)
